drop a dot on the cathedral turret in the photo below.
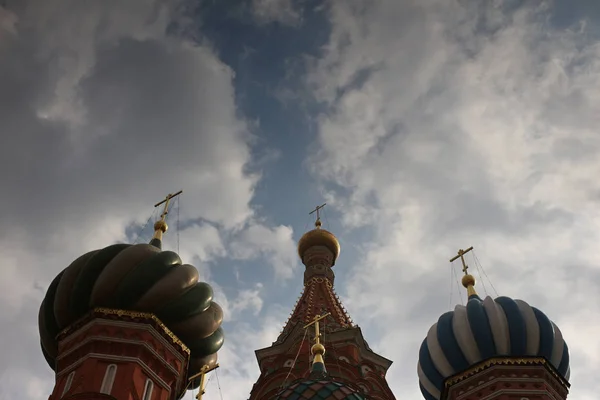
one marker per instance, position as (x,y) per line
(129,321)
(319,384)
(352,364)
(494,349)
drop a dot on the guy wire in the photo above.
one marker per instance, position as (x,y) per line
(137,236)
(451,287)
(219,385)
(458,285)
(480,276)
(485,273)
(295,359)
(178,207)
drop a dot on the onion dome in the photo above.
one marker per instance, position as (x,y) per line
(319,237)
(485,329)
(137,277)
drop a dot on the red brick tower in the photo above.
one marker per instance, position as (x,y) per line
(348,358)
(113,354)
(129,322)
(496,349)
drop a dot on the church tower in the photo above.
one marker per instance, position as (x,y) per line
(349,369)
(129,322)
(493,349)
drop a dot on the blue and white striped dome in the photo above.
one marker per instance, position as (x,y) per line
(484,329)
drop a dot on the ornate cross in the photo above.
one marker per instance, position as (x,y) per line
(315,322)
(461,254)
(167,200)
(317,210)
(318,221)
(202,374)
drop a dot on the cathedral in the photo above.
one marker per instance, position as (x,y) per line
(134,322)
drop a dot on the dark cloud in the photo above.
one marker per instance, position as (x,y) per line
(101,115)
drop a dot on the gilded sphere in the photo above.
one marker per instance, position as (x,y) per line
(160,225)
(318,348)
(319,237)
(468,280)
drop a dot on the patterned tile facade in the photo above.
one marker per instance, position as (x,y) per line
(319,390)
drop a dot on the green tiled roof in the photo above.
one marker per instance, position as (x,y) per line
(319,389)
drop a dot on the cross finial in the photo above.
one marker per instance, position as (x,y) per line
(461,254)
(468,280)
(166,201)
(317,349)
(318,211)
(202,374)
(315,322)
(160,226)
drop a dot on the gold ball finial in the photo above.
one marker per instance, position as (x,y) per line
(468,280)
(317,348)
(160,225)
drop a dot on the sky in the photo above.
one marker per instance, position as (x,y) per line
(425,125)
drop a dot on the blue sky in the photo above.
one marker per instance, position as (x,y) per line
(427,126)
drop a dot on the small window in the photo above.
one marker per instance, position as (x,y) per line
(345,359)
(288,364)
(68,383)
(109,378)
(148,390)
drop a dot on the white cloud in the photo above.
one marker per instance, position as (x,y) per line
(199,241)
(275,244)
(248,300)
(240,369)
(281,11)
(451,125)
(102,115)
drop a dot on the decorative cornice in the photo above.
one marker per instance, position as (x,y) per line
(135,360)
(96,338)
(137,325)
(539,361)
(109,313)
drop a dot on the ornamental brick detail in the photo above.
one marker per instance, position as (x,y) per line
(506,379)
(105,356)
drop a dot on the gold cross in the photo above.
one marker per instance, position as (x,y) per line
(317,210)
(202,374)
(461,254)
(315,321)
(167,200)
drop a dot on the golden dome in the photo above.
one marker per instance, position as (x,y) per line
(319,237)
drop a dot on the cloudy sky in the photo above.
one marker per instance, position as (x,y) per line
(426,125)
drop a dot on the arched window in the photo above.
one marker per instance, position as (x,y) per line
(68,383)
(148,390)
(109,378)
